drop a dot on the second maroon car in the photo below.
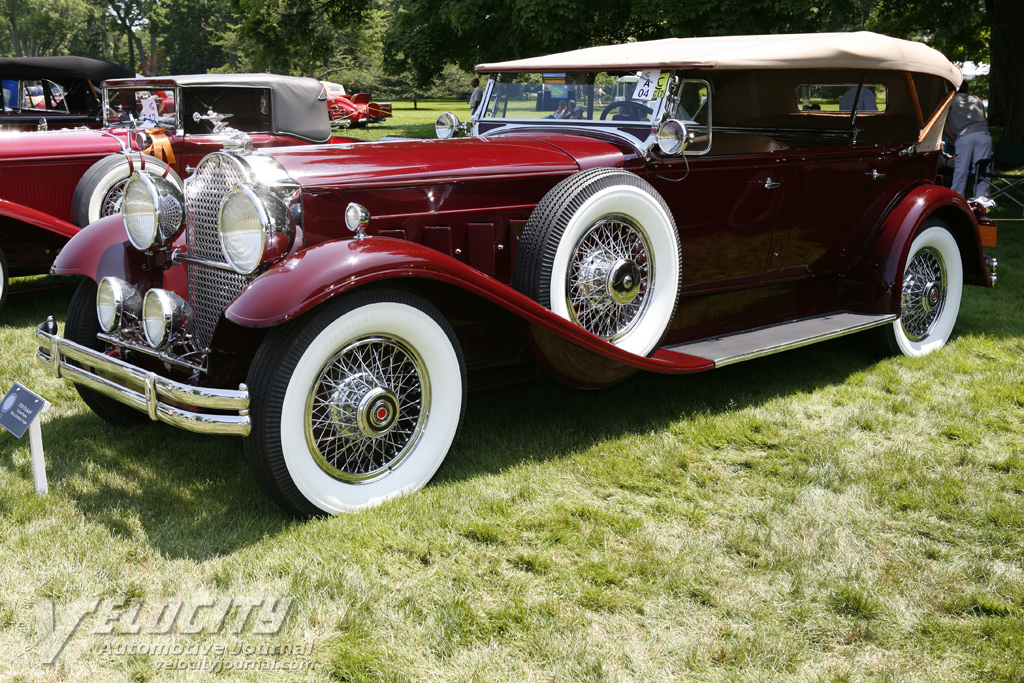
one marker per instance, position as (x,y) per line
(54,182)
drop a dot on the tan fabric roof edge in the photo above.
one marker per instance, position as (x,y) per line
(858,50)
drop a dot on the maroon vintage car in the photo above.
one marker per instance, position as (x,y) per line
(354,110)
(54,92)
(54,182)
(671,206)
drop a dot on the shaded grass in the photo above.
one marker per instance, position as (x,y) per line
(816,516)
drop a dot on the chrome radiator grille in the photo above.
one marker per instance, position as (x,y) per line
(210,290)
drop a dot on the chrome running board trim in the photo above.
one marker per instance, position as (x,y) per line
(764,341)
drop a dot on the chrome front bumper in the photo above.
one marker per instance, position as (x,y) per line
(145,391)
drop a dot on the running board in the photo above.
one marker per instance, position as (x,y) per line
(764,341)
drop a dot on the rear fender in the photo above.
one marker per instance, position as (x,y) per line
(311,277)
(878,277)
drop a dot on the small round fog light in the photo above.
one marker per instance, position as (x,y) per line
(165,317)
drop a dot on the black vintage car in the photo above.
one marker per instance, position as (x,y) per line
(54,92)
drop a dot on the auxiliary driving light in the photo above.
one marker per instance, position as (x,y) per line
(165,317)
(117,304)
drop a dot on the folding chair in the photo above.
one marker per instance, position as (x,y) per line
(1003,184)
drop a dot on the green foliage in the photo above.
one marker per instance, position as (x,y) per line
(294,36)
(957,28)
(38,27)
(427,34)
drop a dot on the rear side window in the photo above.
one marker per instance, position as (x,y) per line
(841,97)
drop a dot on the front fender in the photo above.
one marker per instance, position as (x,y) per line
(327,270)
(881,268)
(98,250)
(29,216)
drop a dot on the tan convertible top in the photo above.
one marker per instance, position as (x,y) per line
(860,50)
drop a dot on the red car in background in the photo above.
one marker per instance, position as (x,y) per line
(354,110)
(52,183)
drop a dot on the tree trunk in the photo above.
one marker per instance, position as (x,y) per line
(1006,93)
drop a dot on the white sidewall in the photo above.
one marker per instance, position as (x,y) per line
(661,234)
(116,173)
(942,241)
(428,339)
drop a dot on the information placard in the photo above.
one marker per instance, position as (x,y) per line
(18,408)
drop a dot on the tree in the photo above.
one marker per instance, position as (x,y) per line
(294,36)
(1006,90)
(192,31)
(427,34)
(129,15)
(40,28)
(976,30)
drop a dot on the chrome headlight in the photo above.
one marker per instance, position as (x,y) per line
(447,125)
(152,210)
(673,137)
(117,303)
(253,228)
(165,317)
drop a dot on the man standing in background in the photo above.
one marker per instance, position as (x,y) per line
(967,127)
(475,96)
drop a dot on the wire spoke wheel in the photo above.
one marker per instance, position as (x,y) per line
(924,293)
(365,412)
(609,277)
(930,294)
(601,250)
(355,404)
(112,199)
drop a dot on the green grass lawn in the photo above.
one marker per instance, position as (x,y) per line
(819,515)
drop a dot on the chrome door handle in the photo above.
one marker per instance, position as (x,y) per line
(875,175)
(769,184)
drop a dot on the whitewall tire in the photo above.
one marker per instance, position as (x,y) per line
(357,405)
(933,281)
(98,194)
(602,250)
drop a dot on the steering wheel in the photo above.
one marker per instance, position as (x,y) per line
(640,109)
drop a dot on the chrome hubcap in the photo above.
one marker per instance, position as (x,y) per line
(609,277)
(366,410)
(924,293)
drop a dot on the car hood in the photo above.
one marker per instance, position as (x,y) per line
(406,161)
(58,144)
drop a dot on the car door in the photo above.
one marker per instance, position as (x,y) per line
(727,210)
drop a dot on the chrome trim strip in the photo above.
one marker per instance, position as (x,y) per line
(144,390)
(178,257)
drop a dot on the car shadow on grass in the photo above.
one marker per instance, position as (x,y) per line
(547,421)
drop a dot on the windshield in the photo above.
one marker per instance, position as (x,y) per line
(123,106)
(633,103)
(577,96)
(627,103)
